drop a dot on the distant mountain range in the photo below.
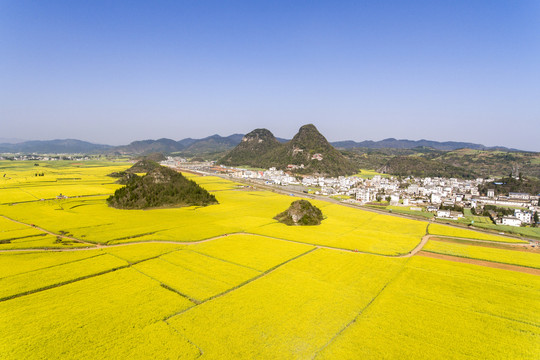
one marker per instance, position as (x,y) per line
(392,143)
(54,147)
(213,144)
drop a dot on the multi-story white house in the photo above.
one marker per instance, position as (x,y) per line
(524,216)
(510,220)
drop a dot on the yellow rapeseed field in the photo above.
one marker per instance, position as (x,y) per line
(195,275)
(118,315)
(483,253)
(437,229)
(437,309)
(30,281)
(238,211)
(227,281)
(290,312)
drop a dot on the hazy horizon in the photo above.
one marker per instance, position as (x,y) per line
(114,72)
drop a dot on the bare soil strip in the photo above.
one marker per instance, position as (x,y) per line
(486,263)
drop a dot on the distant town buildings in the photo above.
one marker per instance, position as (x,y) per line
(432,194)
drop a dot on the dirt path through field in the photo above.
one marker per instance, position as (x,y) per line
(416,251)
(491,264)
(49,232)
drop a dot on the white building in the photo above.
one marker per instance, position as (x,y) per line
(510,220)
(365,195)
(443,213)
(524,216)
(522,196)
(435,198)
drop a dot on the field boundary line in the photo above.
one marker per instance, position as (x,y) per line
(336,335)
(480,262)
(273,268)
(21,237)
(67,282)
(473,258)
(188,243)
(223,260)
(185,338)
(52,266)
(49,232)
(54,198)
(488,244)
(165,286)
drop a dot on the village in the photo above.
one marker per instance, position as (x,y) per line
(443,197)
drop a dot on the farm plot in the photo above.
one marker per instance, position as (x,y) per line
(520,258)
(437,229)
(290,312)
(40,241)
(437,309)
(256,252)
(134,253)
(116,316)
(238,212)
(16,285)
(354,229)
(25,182)
(14,263)
(195,275)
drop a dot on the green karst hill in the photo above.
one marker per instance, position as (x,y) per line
(301,212)
(160,187)
(252,149)
(142,166)
(308,152)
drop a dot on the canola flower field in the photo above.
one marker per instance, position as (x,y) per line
(81,280)
(520,258)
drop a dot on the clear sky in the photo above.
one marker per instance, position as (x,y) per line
(117,71)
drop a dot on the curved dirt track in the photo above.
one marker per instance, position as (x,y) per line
(416,251)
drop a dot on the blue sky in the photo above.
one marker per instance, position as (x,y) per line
(117,71)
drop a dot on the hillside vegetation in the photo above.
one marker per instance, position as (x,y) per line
(301,212)
(462,163)
(309,152)
(252,150)
(159,188)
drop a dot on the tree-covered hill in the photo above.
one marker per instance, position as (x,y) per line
(309,152)
(252,149)
(160,187)
(301,212)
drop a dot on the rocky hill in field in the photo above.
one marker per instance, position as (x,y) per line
(313,154)
(301,212)
(160,187)
(307,153)
(252,150)
(142,166)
